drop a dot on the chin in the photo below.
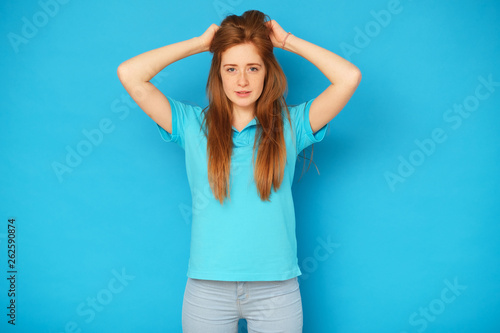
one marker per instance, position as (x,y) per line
(243,103)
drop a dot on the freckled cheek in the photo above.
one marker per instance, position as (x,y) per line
(258,84)
(227,84)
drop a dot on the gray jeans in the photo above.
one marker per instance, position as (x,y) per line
(216,306)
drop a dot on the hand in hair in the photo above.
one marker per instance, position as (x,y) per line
(207,37)
(277,33)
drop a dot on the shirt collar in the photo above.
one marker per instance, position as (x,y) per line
(252,122)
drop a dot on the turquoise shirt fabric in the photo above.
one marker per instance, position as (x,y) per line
(245,238)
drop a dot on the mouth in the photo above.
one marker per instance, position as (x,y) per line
(243,93)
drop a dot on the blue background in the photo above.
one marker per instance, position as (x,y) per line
(410,254)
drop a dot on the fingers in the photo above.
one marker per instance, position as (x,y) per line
(274,27)
(213,27)
(271,24)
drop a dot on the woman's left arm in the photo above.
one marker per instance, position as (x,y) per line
(343,75)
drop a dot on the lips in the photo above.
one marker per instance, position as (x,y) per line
(243,93)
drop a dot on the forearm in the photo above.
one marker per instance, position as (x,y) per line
(145,66)
(337,69)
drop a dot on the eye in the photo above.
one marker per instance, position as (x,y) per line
(256,69)
(230,69)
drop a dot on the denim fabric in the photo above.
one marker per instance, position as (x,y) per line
(211,306)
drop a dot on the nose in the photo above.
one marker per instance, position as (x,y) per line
(242,79)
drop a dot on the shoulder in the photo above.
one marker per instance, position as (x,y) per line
(185,108)
(186,115)
(299,112)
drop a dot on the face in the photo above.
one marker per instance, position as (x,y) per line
(243,73)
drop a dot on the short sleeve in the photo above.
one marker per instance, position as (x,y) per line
(304,135)
(182,115)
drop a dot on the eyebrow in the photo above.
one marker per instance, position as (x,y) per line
(251,64)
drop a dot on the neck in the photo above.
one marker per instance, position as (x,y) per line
(241,117)
(243,113)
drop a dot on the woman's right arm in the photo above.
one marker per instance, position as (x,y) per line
(135,74)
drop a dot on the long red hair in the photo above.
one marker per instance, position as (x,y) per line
(269,138)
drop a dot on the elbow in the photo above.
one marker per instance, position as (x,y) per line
(128,74)
(355,77)
(125,75)
(121,71)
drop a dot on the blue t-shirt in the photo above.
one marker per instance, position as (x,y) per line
(245,238)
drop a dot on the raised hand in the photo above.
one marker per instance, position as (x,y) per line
(277,34)
(207,37)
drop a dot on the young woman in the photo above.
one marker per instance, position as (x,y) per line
(241,152)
